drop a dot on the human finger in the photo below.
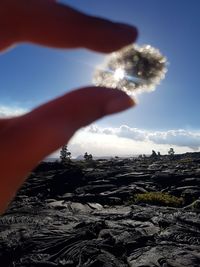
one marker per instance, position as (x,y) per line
(38,133)
(53,24)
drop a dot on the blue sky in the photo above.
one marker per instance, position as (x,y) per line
(31,75)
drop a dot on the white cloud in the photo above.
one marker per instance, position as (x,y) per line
(131,133)
(127,141)
(177,137)
(6,111)
(123,140)
(180,137)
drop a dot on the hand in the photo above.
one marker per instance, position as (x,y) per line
(31,137)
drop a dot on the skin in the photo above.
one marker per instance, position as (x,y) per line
(33,136)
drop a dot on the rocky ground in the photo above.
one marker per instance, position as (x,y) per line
(102,214)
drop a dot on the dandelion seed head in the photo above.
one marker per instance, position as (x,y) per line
(133,69)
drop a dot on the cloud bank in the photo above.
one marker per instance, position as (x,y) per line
(123,140)
(180,137)
(6,111)
(127,141)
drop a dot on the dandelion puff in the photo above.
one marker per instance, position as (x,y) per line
(133,69)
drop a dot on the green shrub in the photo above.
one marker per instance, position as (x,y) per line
(158,198)
(186,160)
(196,205)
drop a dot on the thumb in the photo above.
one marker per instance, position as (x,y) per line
(51,125)
(77,109)
(38,133)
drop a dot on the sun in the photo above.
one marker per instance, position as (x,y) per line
(119,74)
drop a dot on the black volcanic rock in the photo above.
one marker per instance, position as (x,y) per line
(78,216)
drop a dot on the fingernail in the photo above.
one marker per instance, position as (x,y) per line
(119,104)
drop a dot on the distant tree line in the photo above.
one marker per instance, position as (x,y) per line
(65,155)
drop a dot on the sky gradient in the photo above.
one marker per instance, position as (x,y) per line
(31,75)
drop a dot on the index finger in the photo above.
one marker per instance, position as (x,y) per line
(56,25)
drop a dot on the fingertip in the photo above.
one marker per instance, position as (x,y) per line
(108,100)
(106,36)
(119,103)
(129,30)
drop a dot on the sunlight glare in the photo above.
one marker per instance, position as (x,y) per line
(119,74)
